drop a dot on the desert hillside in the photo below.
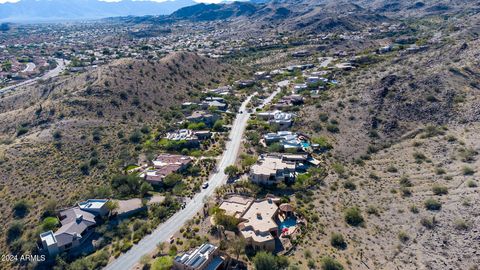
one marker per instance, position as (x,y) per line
(63,139)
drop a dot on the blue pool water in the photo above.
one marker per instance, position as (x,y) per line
(287,223)
(305,144)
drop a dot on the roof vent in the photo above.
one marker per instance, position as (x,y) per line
(79,218)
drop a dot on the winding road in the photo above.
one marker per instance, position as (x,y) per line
(61,65)
(163,232)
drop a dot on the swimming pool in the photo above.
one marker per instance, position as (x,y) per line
(305,144)
(287,223)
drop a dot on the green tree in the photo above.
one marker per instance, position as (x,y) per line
(218,126)
(172,179)
(49,223)
(145,188)
(231,171)
(267,261)
(264,261)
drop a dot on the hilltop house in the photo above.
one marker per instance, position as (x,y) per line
(215,102)
(272,169)
(222,90)
(204,257)
(282,119)
(164,165)
(202,116)
(288,140)
(77,223)
(190,137)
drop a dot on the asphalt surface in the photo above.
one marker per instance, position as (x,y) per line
(61,65)
(165,230)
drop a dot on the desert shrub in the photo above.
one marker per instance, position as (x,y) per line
(471,184)
(353,216)
(57,135)
(431,131)
(136,137)
(461,225)
(428,223)
(21,131)
(14,231)
(403,236)
(372,210)
(432,204)
(337,241)
(21,208)
(419,157)
(328,263)
(405,182)
(349,185)
(468,155)
(439,190)
(392,169)
(468,171)
(333,128)
(406,192)
(338,168)
(85,168)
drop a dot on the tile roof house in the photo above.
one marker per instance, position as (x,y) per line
(204,257)
(77,223)
(164,165)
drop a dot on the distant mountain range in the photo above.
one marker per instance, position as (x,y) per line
(55,10)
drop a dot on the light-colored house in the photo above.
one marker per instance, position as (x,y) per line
(272,169)
(258,225)
(204,257)
(236,205)
(282,119)
(77,223)
(215,102)
(164,165)
(202,116)
(186,135)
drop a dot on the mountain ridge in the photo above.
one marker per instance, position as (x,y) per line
(59,10)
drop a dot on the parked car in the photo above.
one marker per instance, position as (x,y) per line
(205,185)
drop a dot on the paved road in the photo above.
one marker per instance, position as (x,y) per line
(269,99)
(163,232)
(61,65)
(30,67)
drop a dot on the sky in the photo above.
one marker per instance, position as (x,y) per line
(199,1)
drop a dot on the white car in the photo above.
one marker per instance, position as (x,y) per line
(205,185)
